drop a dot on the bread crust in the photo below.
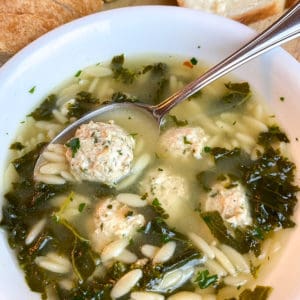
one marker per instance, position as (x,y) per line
(82,7)
(259,13)
(253,14)
(22,21)
(17,30)
(45,9)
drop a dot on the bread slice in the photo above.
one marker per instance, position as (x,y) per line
(245,11)
(17,30)
(82,7)
(22,21)
(45,8)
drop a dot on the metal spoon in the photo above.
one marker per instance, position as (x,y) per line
(283,30)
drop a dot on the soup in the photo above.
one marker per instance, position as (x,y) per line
(119,211)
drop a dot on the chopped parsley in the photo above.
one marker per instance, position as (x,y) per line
(81,206)
(193,61)
(78,73)
(204,280)
(17,146)
(282,99)
(186,141)
(32,90)
(178,122)
(74,145)
(156,203)
(207,149)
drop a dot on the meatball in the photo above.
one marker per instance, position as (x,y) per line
(112,221)
(101,152)
(183,142)
(172,192)
(231,202)
(168,190)
(162,184)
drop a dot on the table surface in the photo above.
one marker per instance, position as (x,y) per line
(293,47)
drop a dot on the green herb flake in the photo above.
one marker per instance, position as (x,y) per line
(186,141)
(81,207)
(17,146)
(179,123)
(281,99)
(204,280)
(194,61)
(32,90)
(207,149)
(144,197)
(78,73)
(74,145)
(156,203)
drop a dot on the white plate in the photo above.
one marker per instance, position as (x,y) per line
(137,30)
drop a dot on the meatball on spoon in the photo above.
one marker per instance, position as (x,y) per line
(283,30)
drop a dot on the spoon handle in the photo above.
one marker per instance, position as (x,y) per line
(284,29)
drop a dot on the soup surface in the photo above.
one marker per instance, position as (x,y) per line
(120,211)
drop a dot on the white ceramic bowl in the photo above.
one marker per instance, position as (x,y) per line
(138,30)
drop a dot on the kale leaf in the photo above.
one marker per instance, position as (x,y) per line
(274,134)
(44,111)
(237,94)
(25,164)
(268,181)
(119,72)
(231,237)
(259,293)
(84,103)
(120,97)
(172,121)
(159,80)
(272,192)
